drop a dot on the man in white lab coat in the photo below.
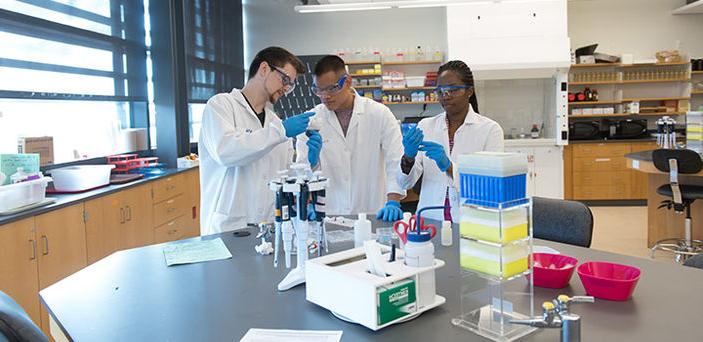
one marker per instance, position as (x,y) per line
(243,144)
(362,147)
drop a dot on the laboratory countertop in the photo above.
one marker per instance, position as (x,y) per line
(132,296)
(605,141)
(65,200)
(530,142)
(641,156)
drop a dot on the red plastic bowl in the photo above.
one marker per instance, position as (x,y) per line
(608,281)
(553,270)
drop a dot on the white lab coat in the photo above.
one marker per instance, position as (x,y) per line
(362,166)
(238,157)
(478,133)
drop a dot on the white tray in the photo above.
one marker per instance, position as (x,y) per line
(46,201)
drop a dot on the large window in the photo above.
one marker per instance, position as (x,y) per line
(213,46)
(74,70)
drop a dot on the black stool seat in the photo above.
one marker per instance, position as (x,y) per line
(688,192)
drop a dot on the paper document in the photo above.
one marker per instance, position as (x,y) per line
(266,335)
(196,251)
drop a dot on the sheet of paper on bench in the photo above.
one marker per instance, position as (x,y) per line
(195,251)
(266,335)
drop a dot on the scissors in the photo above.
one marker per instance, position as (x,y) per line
(402,229)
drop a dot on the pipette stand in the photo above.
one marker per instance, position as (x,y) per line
(301,186)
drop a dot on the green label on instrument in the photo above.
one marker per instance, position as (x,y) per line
(396,301)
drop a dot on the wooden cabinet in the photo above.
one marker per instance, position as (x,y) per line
(175,203)
(19,256)
(138,219)
(193,227)
(61,244)
(61,248)
(39,251)
(102,238)
(598,171)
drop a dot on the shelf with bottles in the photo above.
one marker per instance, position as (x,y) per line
(409,102)
(618,65)
(614,115)
(367,87)
(696,92)
(365,75)
(580,103)
(391,56)
(408,88)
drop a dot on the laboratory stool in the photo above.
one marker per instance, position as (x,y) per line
(675,162)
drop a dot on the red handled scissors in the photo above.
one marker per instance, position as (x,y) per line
(402,229)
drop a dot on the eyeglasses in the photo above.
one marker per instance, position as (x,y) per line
(447,91)
(287,81)
(330,90)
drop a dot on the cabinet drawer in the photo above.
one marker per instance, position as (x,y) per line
(169,210)
(171,231)
(602,192)
(168,187)
(600,164)
(601,150)
(601,178)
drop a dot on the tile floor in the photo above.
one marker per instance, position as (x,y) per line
(622,230)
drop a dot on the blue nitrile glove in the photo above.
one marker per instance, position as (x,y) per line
(311,212)
(297,124)
(314,147)
(411,141)
(390,212)
(436,152)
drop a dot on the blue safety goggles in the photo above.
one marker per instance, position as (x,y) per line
(447,91)
(329,90)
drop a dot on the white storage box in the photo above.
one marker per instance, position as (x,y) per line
(18,195)
(341,283)
(415,81)
(496,164)
(81,177)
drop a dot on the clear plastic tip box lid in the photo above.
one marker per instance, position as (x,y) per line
(492,178)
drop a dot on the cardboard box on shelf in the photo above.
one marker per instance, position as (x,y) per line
(44,146)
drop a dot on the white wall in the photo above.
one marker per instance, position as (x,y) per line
(640,27)
(274,22)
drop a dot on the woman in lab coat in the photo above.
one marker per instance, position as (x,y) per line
(243,144)
(431,148)
(362,150)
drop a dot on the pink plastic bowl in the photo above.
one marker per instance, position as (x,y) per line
(608,281)
(553,270)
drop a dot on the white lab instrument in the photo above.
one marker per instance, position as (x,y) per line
(362,230)
(292,195)
(341,283)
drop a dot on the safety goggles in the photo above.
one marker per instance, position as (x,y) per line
(329,90)
(288,82)
(447,91)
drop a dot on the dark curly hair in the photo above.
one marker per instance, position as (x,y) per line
(466,76)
